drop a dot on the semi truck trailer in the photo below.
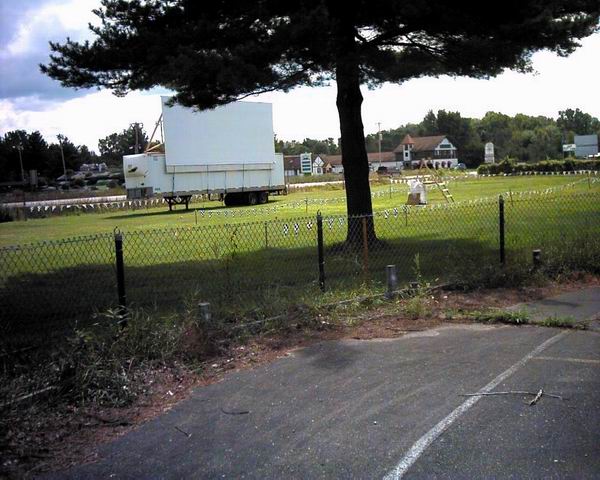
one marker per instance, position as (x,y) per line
(228,151)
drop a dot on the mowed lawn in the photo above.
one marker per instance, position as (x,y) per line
(256,264)
(329,200)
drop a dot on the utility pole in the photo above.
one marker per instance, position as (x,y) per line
(62,154)
(379,138)
(136,128)
(20,150)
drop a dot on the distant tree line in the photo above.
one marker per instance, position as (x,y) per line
(522,137)
(525,138)
(38,154)
(328,146)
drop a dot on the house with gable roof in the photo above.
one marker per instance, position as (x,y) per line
(435,151)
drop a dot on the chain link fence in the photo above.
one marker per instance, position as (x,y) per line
(258,269)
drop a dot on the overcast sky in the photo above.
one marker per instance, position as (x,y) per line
(31,101)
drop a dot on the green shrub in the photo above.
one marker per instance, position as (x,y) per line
(509,165)
(107,363)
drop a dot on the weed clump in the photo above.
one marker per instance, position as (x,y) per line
(501,316)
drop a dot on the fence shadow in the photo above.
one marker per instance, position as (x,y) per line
(250,284)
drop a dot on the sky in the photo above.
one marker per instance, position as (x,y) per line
(32,101)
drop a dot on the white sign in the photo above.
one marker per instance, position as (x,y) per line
(306,163)
(489,153)
(569,147)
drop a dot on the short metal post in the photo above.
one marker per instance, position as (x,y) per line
(120,276)
(501,227)
(321,251)
(537,258)
(204,313)
(392,280)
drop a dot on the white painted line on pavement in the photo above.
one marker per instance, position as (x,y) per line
(421,445)
(570,359)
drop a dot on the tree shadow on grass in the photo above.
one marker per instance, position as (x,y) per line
(42,307)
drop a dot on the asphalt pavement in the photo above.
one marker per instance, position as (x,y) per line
(385,409)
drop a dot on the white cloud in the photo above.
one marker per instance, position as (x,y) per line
(305,112)
(24,45)
(560,83)
(53,18)
(86,119)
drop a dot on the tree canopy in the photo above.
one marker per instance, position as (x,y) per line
(38,155)
(114,146)
(211,53)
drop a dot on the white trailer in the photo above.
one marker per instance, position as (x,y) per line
(227,151)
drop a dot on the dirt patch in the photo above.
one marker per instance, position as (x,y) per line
(52,436)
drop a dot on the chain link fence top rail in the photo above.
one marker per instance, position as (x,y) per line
(260,268)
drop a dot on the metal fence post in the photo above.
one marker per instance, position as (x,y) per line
(537,258)
(120,275)
(501,226)
(320,251)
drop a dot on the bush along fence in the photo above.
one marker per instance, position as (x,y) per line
(254,270)
(567,166)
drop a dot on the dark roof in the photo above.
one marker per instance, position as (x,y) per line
(407,139)
(373,158)
(421,144)
(331,159)
(291,162)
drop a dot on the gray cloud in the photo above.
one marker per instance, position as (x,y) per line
(12,15)
(20,77)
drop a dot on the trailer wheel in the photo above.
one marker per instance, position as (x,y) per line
(231,199)
(252,198)
(263,197)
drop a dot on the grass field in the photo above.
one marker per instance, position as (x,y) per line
(254,264)
(286,206)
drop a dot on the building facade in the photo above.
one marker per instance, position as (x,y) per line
(434,151)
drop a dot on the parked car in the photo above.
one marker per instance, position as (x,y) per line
(460,166)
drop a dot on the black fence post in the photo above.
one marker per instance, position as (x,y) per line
(121,276)
(320,251)
(501,225)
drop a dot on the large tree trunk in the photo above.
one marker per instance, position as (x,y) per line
(354,151)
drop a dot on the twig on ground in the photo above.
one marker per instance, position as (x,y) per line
(537,397)
(182,431)
(513,392)
(28,396)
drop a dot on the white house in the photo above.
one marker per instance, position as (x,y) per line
(434,151)
(317,166)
